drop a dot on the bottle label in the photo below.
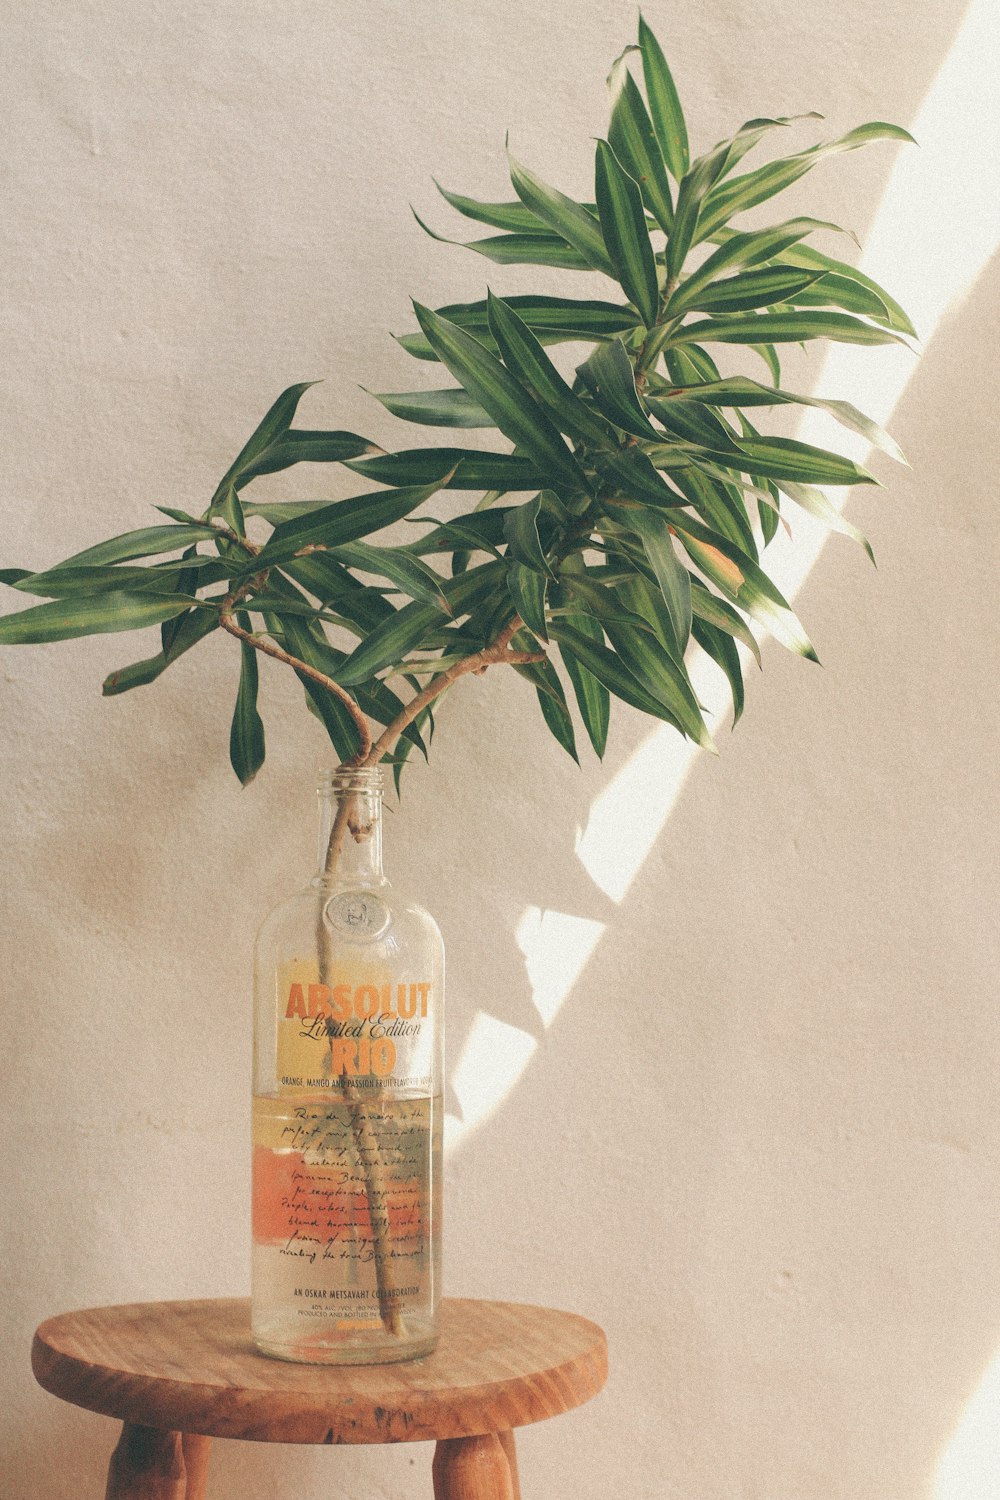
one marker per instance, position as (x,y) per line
(374,1032)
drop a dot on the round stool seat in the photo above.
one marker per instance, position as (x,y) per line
(190,1367)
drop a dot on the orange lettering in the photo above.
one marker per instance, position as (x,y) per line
(407,1002)
(296,1003)
(319,999)
(366,1002)
(342,1002)
(344,1056)
(383,1056)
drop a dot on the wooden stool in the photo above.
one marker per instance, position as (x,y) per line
(178,1374)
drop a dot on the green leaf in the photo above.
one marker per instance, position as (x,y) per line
(687,364)
(659,668)
(332,713)
(527,361)
(720,504)
(246,736)
(635,479)
(784,328)
(178,515)
(830,290)
(180,578)
(553,320)
(815,502)
(329,581)
(773,458)
(147,542)
(608,669)
(592,697)
(557,718)
(399,566)
(552,701)
(739,251)
(374,698)
(707,606)
(478,531)
(302,446)
(195,573)
(343,521)
(769,355)
(691,195)
(805,255)
(521,533)
(642,598)
(576,224)
(722,650)
(741,193)
(739,391)
(276,421)
(623,226)
(472,469)
(786,458)
(389,643)
(696,187)
(651,664)
(752,289)
(511,216)
(527,590)
(742,581)
(450,408)
(634,142)
(671,575)
(664,105)
(278,604)
(609,375)
(192,627)
(515,412)
(518,249)
(770,516)
(88,614)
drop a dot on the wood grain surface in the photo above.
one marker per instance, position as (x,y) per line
(190,1367)
(471,1469)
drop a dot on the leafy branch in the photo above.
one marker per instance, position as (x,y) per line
(627,520)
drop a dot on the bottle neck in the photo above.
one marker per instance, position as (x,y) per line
(350,829)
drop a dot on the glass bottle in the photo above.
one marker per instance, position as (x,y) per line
(347,1106)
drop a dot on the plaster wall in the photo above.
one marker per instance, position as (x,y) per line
(759,1139)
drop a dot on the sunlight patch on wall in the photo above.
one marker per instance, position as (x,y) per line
(556,947)
(627,818)
(969,1468)
(490,1064)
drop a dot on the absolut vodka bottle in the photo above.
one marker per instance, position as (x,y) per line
(347,1107)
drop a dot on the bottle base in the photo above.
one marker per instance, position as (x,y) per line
(318,1350)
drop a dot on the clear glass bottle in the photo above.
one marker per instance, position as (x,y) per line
(347,1106)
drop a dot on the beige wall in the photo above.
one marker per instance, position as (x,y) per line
(780,1196)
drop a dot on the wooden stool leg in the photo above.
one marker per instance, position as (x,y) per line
(197,1452)
(472,1468)
(147,1465)
(507,1444)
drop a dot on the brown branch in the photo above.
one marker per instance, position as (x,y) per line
(241,541)
(267,648)
(495,654)
(362,1127)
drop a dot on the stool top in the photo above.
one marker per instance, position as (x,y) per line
(191,1367)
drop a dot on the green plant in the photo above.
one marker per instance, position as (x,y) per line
(652,494)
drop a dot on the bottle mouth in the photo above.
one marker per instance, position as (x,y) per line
(360,780)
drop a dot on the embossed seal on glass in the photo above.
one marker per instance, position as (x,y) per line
(357,914)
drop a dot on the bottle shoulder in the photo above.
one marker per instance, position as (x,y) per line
(299,912)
